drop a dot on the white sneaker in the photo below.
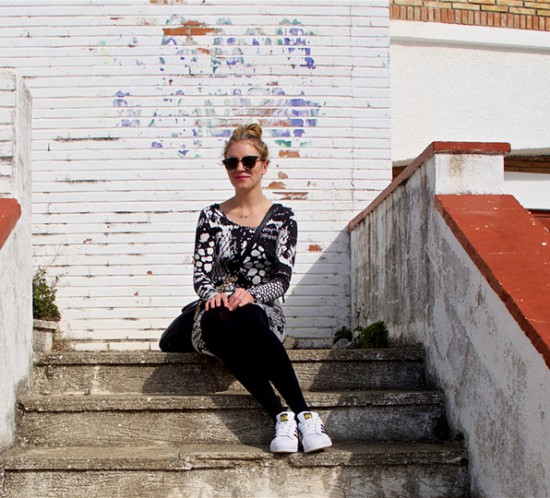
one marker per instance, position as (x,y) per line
(285,439)
(312,431)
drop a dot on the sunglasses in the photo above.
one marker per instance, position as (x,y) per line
(248,162)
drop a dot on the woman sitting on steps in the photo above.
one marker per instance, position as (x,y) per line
(242,322)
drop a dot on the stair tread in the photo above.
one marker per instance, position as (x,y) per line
(226,399)
(204,455)
(404,353)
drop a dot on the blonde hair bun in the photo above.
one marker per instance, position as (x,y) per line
(247,132)
(251,133)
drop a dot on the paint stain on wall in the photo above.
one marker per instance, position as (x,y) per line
(189,29)
(193,49)
(282,176)
(292,196)
(289,153)
(276,185)
(314,248)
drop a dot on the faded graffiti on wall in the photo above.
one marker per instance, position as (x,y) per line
(209,77)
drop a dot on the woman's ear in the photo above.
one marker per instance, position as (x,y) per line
(264,167)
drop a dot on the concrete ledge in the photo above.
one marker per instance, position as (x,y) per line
(227,400)
(192,456)
(213,471)
(407,353)
(512,251)
(10,212)
(477,148)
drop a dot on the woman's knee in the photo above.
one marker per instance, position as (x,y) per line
(215,325)
(252,315)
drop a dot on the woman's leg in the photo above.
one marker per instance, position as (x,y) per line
(222,333)
(271,355)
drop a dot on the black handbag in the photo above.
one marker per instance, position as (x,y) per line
(177,337)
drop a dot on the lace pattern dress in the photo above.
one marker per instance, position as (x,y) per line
(265,273)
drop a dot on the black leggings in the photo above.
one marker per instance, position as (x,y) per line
(254,355)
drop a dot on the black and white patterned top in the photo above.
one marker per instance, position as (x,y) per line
(265,273)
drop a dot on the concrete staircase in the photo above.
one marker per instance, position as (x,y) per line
(127,424)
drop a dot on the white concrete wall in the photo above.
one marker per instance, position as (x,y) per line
(468,83)
(133,101)
(532,190)
(16,254)
(409,270)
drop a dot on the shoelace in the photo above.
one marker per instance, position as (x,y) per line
(311,426)
(285,429)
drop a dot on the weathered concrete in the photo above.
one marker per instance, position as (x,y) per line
(374,469)
(317,370)
(16,253)
(151,444)
(139,419)
(495,382)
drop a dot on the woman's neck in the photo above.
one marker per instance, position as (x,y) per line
(247,209)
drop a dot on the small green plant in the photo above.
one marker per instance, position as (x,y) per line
(343,333)
(43,297)
(376,335)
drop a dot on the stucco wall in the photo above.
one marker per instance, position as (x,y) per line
(532,190)
(463,83)
(15,255)
(133,101)
(409,270)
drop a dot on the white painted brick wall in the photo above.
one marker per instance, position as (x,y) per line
(133,101)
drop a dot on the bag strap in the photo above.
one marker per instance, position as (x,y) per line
(258,231)
(248,247)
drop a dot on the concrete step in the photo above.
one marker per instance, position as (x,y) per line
(136,419)
(417,470)
(154,372)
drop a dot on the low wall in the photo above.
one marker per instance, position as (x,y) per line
(409,270)
(15,252)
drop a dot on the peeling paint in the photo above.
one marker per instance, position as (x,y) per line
(229,54)
(282,176)
(86,139)
(292,196)
(314,248)
(189,29)
(275,185)
(289,153)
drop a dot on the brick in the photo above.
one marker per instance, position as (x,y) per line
(543,13)
(413,3)
(518,10)
(484,2)
(495,9)
(436,5)
(510,3)
(522,23)
(462,6)
(535,5)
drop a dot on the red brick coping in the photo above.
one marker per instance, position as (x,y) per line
(512,251)
(486,148)
(10,211)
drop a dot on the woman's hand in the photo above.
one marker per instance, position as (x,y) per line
(239,298)
(217,301)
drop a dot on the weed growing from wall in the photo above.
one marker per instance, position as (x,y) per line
(43,297)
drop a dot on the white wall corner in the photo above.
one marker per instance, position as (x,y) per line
(469,174)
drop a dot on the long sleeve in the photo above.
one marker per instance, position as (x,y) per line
(282,264)
(204,264)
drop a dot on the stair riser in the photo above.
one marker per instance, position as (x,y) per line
(208,377)
(278,480)
(250,426)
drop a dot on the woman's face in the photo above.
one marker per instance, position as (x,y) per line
(243,178)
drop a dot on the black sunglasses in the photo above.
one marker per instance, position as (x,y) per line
(248,162)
